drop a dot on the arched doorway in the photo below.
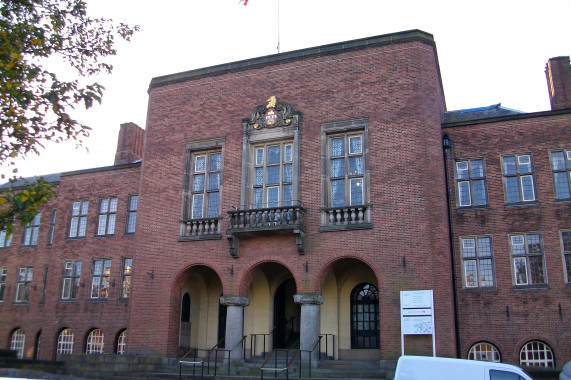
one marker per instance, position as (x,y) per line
(365,317)
(286,316)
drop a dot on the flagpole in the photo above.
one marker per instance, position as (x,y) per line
(278,26)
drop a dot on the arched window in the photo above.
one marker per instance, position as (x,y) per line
(65,342)
(365,317)
(185,308)
(484,351)
(17,343)
(121,343)
(94,342)
(536,354)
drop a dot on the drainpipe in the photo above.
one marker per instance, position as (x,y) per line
(447,145)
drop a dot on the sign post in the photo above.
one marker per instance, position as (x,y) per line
(417,315)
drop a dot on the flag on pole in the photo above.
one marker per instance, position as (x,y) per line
(243,1)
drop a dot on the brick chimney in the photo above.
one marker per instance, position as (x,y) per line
(129,144)
(558,72)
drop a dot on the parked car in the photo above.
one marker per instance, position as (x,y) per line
(433,368)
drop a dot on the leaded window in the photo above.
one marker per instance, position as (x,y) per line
(78,223)
(536,354)
(70,280)
(365,327)
(518,178)
(121,346)
(31,231)
(132,214)
(205,186)
(100,278)
(5,239)
(17,343)
(346,172)
(566,244)
(95,342)
(561,166)
(107,216)
(126,277)
(471,183)
(527,258)
(273,175)
(3,273)
(24,284)
(477,262)
(65,342)
(52,227)
(485,352)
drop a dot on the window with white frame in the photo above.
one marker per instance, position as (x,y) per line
(78,224)
(536,354)
(5,239)
(346,169)
(477,262)
(273,175)
(95,342)
(518,178)
(70,279)
(527,259)
(3,273)
(17,343)
(107,216)
(65,342)
(126,274)
(471,183)
(23,285)
(121,347)
(205,187)
(100,278)
(52,227)
(132,214)
(561,167)
(31,231)
(566,245)
(484,351)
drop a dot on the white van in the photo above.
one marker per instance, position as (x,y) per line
(431,368)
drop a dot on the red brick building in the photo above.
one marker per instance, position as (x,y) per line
(294,196)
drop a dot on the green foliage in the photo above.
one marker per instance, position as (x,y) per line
(35,103)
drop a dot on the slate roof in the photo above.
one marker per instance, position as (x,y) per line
(51,178)
(495,110)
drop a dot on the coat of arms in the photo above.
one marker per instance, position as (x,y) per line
(273,114)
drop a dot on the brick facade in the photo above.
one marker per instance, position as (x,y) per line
(385,90)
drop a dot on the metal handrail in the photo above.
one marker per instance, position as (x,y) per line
(193,362)
(315,345)
(254,346)
(215,349)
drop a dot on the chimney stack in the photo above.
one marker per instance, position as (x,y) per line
(558,72)
(129,144)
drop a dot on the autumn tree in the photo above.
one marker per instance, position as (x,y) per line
(35,103)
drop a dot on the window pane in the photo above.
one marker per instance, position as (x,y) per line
(198,182)
(520,268)
(200,164)
(338,193)
(84,207)
(259,156)
(534,243)
(212,210)
(471,273)
(337,147)
(288,153)
(464,193)
(527,188)
(273,175)
(510,166)
(524,164)
(215,162)
(356,165)
(479,192)
(102,224)
(355,145)
(462,170)
(258,198)
(561,185)
(536,269)
(486,273)
(288,173)
(104,205)
(287,195)
(213,181)
(273,154)
(273,196)
(484,247)
(356,191)
(477,168)
(512,190)
(469,247)
(558,160)
(517,245)
(259,176)
(197,206)
(338,167)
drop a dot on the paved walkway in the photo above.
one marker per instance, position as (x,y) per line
(10,373)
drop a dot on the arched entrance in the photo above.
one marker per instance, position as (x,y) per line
(286,316)
(365,316)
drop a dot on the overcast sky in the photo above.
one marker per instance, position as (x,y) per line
(490,51)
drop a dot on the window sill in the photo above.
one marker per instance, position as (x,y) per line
(346,227)
(200,237)
(568,285)
(563,200)
(75,238)
(67,301)
(491,289)
(520,204)
(20,303)
(531,287)
(104,236)
(97,300)
(470,208)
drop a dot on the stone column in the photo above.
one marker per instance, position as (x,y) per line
(309,324)
(234,323)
